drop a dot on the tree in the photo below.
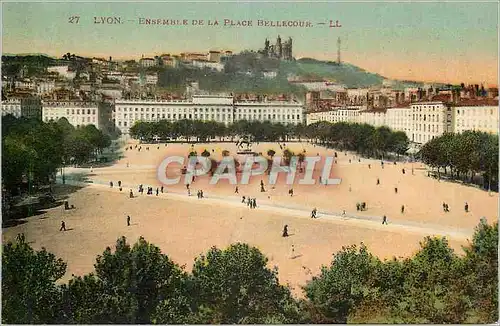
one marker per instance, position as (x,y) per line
(29,291)
(344,285)
(235,286)
(129,286)
(430,292)
(481,272)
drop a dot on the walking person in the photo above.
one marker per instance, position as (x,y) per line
(63,226)
(243,199)
(131,194)
(396,190)
(161,189)
(378,181)
(236,190)
(402,209)
(285,231)
(201,194)
(119,183)
(466,207)
(111,184)
(128,220)
(384,220)
(157,191)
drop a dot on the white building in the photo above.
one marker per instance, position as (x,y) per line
(430,120)
(25,83)
(29,107)
(270,74)
(62,71)
(275,111)
(45,86)
(12,106)
(400,119)
(373,116)
(77,113)
(217,108)
(208,64)
(480,115)
(151,79)
(351,114)
(147,62)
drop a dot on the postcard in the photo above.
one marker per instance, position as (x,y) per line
(250,162)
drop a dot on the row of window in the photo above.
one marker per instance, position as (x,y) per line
(427,128)
(422,138)
(74,120)
(486,123)
(419,108)
(432,118)
(184,110)
(474,112)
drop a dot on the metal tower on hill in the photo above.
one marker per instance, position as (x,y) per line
(338,51)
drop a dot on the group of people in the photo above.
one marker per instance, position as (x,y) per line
(251,202)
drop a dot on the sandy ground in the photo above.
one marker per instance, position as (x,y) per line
(185,227)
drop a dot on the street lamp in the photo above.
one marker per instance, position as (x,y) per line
(62,172)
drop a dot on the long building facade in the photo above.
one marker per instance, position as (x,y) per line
(421,121)
(222,109)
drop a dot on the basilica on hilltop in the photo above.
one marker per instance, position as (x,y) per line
(282,51)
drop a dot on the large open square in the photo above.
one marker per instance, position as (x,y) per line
(185,226)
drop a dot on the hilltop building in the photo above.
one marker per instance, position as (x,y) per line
(280,50)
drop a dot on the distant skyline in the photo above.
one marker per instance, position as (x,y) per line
(432,42)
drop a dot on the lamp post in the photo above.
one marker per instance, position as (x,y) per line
(62,172)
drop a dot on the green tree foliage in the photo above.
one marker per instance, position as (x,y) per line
(139,284)
(235,286)
(344,285)
(29,291)
(481,270)
(466,153)
(128,286)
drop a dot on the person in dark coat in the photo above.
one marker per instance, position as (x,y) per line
(466,207)
(285,231)
(128,220)
(63,226)
(384,220)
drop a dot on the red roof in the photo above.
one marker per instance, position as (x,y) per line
(478,102)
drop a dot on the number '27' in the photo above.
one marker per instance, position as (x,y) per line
(74,19)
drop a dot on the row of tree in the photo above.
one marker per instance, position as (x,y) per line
(138,284)
(362,138)
(33,150)
(464,155)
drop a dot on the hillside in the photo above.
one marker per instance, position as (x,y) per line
(345,73)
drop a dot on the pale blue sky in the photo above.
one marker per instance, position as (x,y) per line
(414,40)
